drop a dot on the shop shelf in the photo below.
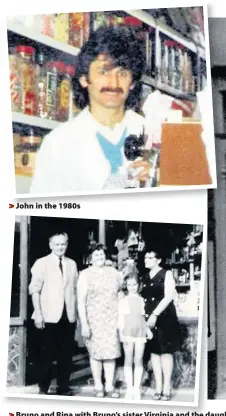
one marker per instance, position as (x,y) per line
(167,30)
(39,38)
(34,121)
(168,89)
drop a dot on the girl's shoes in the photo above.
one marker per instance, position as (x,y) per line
(166,397)
(157,396)
(113,394)
(99,393)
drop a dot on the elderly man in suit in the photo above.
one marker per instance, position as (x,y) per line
(53,291)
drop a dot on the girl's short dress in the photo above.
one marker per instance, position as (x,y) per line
(132,318)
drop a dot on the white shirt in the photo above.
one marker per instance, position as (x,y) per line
(70,158)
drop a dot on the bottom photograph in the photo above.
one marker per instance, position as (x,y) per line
(106,310)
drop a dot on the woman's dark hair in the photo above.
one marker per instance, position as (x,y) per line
(98,247)
(122,47)
(158,255)
(131,276)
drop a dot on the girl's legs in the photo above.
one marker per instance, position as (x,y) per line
(128,367)
(109,373)
(167,368)
(138,368)
(157,369)
(96,368)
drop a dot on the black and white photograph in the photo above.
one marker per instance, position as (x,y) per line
(124,95)
(216,221)
(106,310)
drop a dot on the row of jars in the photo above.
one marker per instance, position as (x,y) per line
(42,89)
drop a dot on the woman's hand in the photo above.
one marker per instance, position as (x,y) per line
(86,332)
(152,320)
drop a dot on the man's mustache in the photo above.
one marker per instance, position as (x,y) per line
(116,90)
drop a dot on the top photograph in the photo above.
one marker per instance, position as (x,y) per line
(111,102)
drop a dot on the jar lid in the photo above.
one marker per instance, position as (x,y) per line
(32,140)
(173,43)
(26,49)
(132,21)
(58,65)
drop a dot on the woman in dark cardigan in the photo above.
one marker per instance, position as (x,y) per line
(158,292)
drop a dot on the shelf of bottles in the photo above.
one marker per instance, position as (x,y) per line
(185,263)
(173,63)
(42,61)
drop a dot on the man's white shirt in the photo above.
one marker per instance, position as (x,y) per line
(71,160)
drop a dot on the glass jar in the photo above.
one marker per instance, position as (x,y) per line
(41,87)
(47,25)
(25,152)
(51,90)
(64,75)
(27,74)
(76,21)
(70,72)
(15,83)
(61,27)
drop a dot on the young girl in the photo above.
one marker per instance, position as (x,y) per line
(133,332)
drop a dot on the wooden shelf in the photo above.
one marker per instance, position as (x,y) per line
(34,121)
(168,89)
(39,38)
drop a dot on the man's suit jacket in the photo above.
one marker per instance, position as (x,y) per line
(47,280)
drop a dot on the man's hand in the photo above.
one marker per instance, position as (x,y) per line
(144,166)
(86,332)
(39,321)
(152,320)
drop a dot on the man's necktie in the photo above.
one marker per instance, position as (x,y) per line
(61,265)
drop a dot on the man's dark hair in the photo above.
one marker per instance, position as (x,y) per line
(122,47)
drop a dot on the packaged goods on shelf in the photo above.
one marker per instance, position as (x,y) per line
(79,28)
(47,25)
(64,86)
(27,75)
(15,84)
(69,28)
(41,87)
(25,152)
(61,27)
(58,86)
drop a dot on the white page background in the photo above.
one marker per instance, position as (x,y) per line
(164,207)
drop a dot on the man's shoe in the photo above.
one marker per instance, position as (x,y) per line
(43,391)
(67,392)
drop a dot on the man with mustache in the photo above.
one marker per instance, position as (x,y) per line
(86,153)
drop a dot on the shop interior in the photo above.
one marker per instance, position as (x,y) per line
(42,56)
(181,248)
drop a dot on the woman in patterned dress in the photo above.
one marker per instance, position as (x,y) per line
(98,288)
(158,293)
